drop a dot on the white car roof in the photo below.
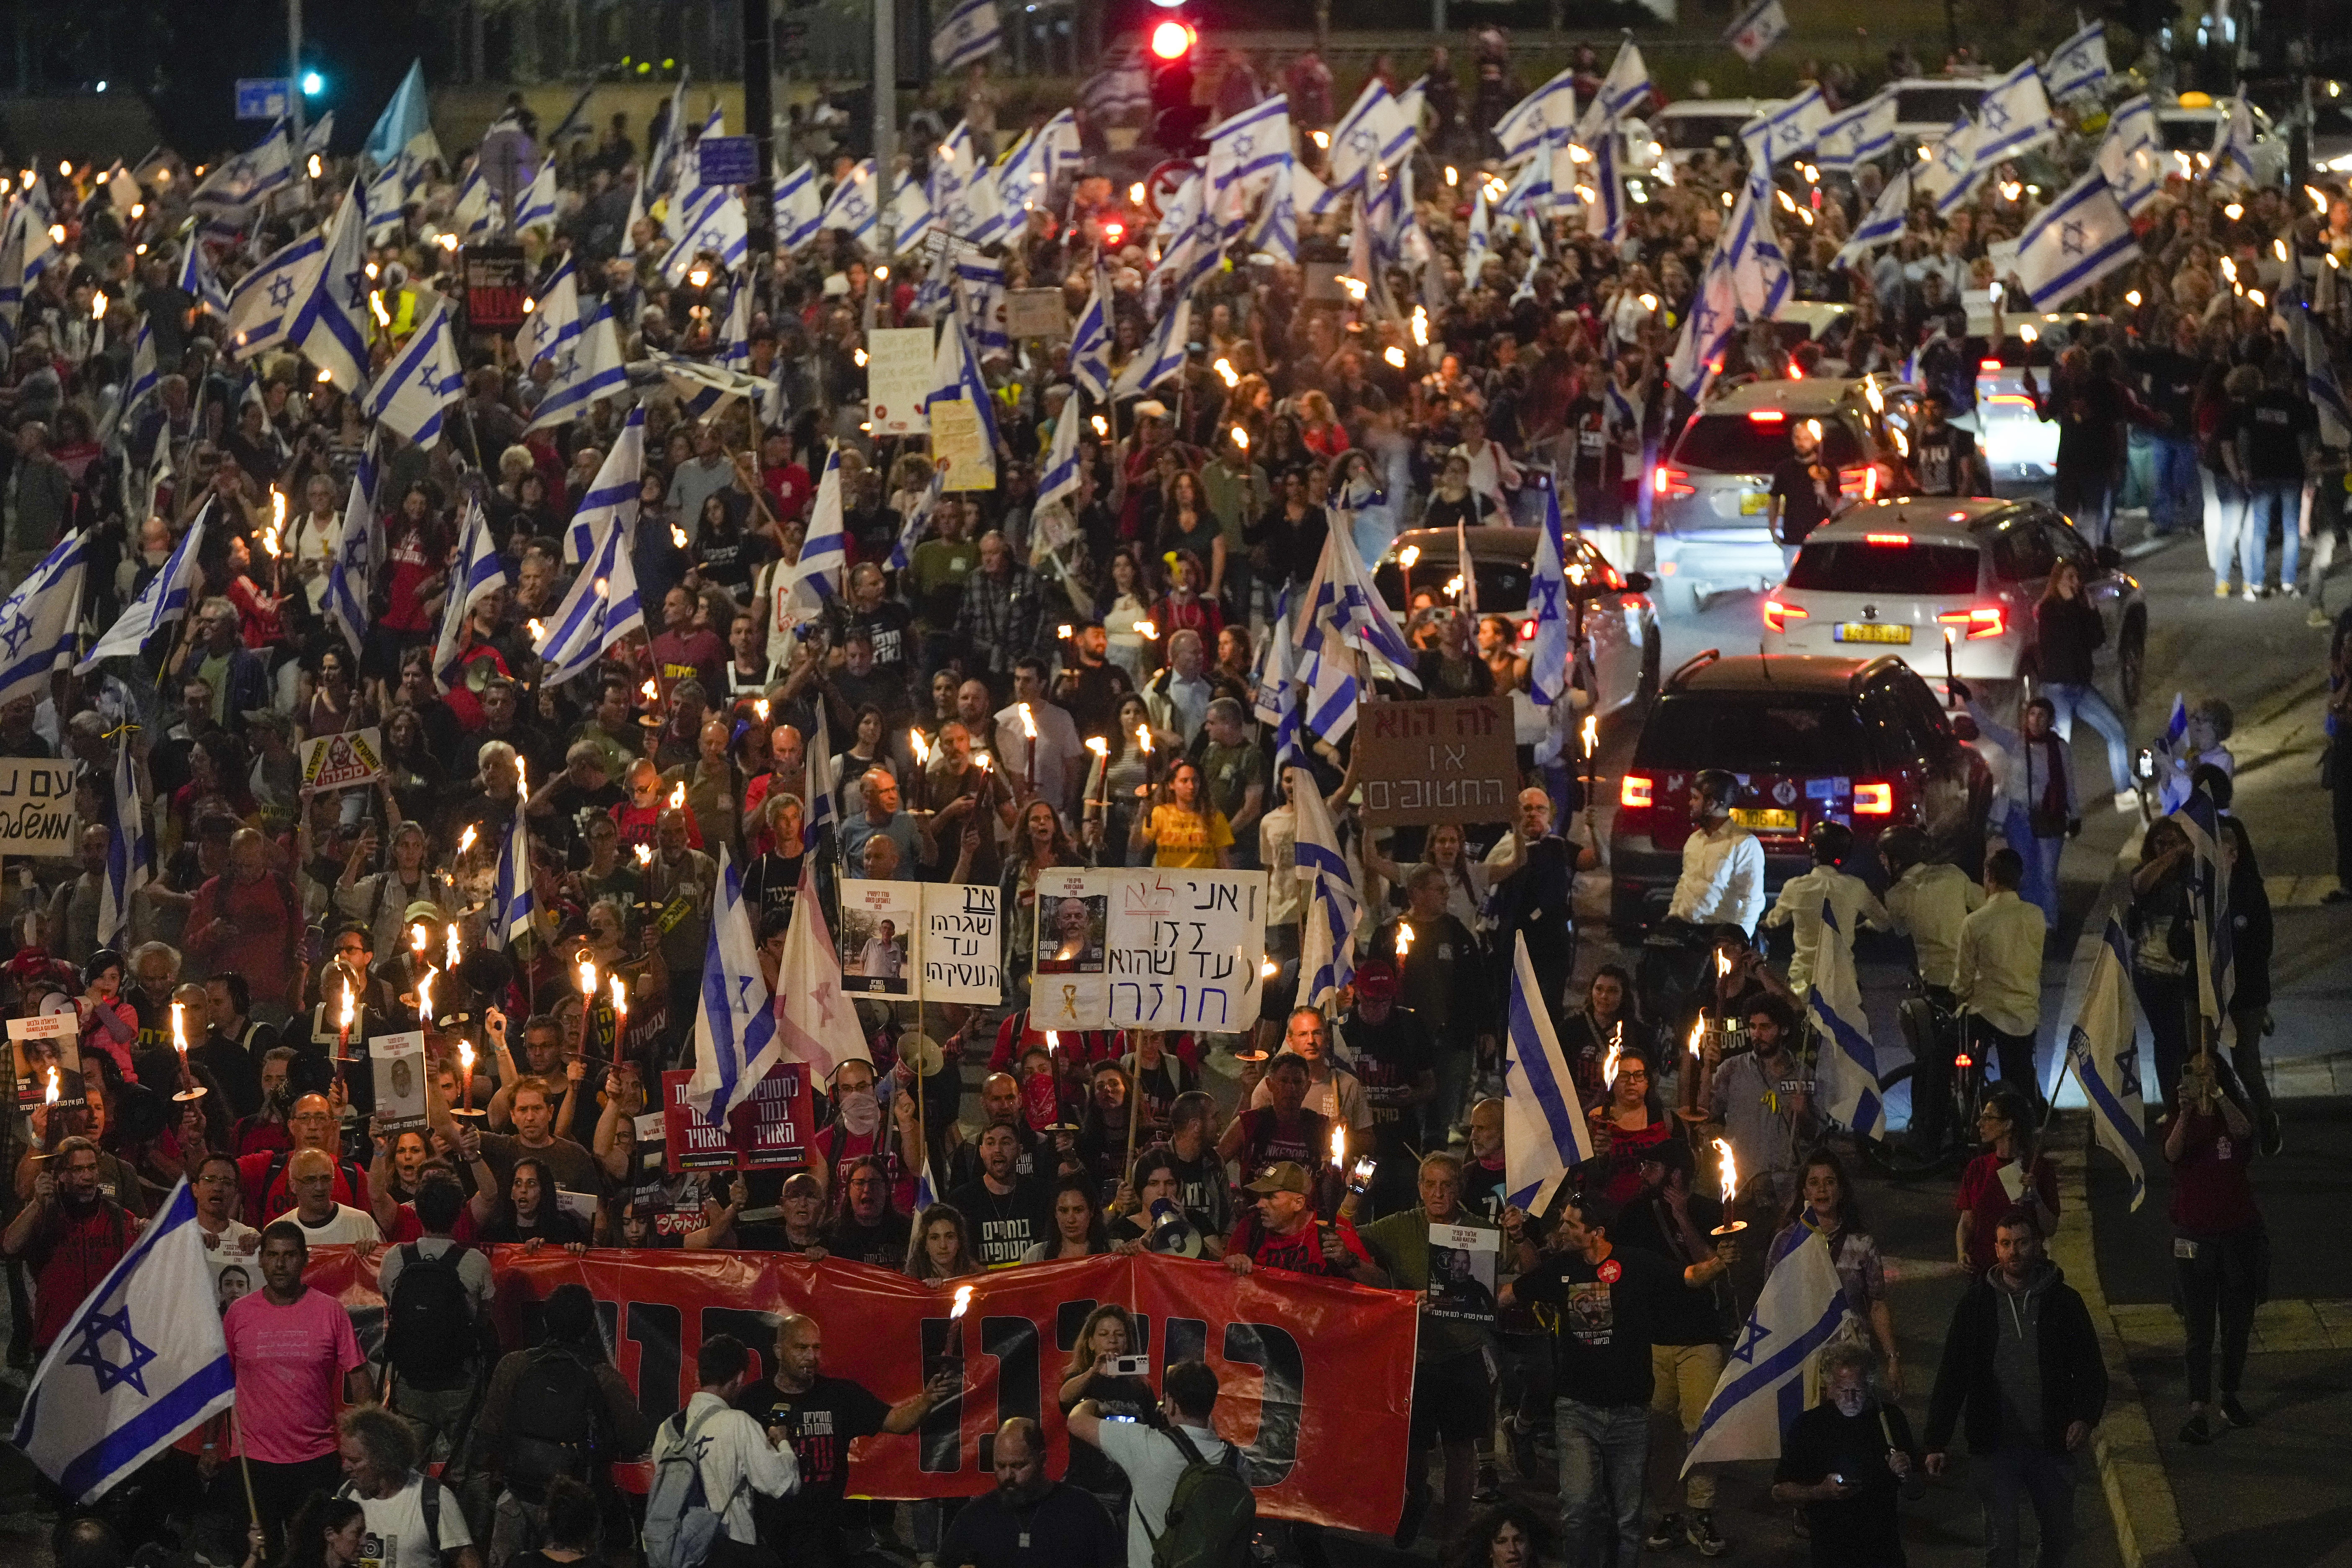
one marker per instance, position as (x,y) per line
(1690,108)
(1926,520)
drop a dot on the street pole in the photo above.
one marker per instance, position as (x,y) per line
(760,109)
(294,71)
(886,148)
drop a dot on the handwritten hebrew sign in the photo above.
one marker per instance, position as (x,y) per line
(1436,761)
(36,806)
(1148,949)
(961,948)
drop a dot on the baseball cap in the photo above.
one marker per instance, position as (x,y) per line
(1151,408)
(424,911)
(1281,1176)
(1376,978)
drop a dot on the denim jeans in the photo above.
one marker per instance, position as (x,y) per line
(2266,498)
(2085,702)
(1603,1451)
(2225,517)
(2178,499)
(2010,1477)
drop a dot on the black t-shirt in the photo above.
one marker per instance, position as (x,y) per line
(1808,490)
(1607,1317)
(1206,1192)
(1688,1317)
(883,1245)
(2168,380)
(1066,1528)
(1390,1057)
(1116,1396)
(1003,1228)
(1598,462)
(2269,431)
(820,1423)
(1939,461)
(887,624)
(1861,1529)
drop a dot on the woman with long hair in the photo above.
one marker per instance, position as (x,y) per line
(1108,1333)
(1187,526)
(1122,779)
(1183,829)
(1077,1223)
(1628,1120)
(2070,634)
(2220,1245)
(2012,1163)
(531,1212)
(1825,1204)
(941,1246)
(1188,606)
(1611,1015)
(1040,844)
(1318,425)
(1507,1537)
(1123,605)
(867,748)
(1103,1125)
(416,776)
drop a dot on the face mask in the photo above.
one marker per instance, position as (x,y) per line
(859,1112)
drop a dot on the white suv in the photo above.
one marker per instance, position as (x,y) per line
(1948,586)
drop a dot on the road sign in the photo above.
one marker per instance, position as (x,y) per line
(262,97)
(497,281)
(728,159)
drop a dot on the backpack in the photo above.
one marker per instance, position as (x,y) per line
(422,1337)
(558,1424)
(1211,1514)
(681,1526)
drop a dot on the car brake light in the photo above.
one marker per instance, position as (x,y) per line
(1528,629)
(1768,416)
(1990,621)
(1796,371)
(1634,794)
(1776,615)
(2016,397)
(1988,364)
(1874,800)
(1887,539)
(1859,482)
(1964,1061)
(1671,481)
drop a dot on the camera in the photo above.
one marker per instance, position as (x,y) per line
(1131,1366)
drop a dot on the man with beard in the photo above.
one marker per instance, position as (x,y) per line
(869,1230)
(68,1237)
(1009,1213)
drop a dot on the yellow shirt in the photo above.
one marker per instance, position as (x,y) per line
(1186,840)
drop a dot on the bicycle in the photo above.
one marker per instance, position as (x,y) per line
(1944,1101)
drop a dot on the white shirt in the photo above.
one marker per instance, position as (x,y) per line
(1723,878)
(1928,904)
(878,959)
(1153,1463)
(347,1226)
(1800,905)
(1998,973)
(735,1453)
(395,1534)
(1061,755)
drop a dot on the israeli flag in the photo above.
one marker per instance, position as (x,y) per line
(162,601)
(971,32)
(1162,355)
(1342,595)
(854,209)
(1061,477)
(1548,651)
(1759,270)
(23,248)
(1326,676)
(1529,194)
(816,579)
(919,516)
(350,575)
(2216,937)
(1273,696)
(2073,242)
(39,617)
(1756,29)
(714,223)
(735,332)
(1545,1135)
(198,281)
(1326,952)
(1251,147)
(2292,319)
(818,813)
(1856,135)
(130,849)
(1849,1062)
(2013,118)
(1952,171)
(331,329)
(955,372)
(2102,1050)
(474,213)
(1762,1387)
(1551,107)
(136,1366)
(386,191)
(1296,190)
(798,208)
(2233,147)
(1623,90)
(1370,136)
(554,320)
(980,288)
(422,381)
(512,901)
(2171,749)
(2131,155)
(661,157)
(263,306)
(1885,223)
(1785,132)
(588,370)
(926,1194)
(536,207)
(1090,343)
(1604,215)
(144,376)
(2078,65)
(609,504)
(480,572)
(601,608)
(1706,333)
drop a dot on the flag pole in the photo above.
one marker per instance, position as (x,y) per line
(245,1466)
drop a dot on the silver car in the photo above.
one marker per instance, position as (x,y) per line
(2019,448)
(1711,503)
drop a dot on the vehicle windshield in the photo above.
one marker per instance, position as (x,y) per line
(1502,584)
(2186,133)
(1734,444)
(1907,571)
(1690,132)
(1754,733)
(1934,105)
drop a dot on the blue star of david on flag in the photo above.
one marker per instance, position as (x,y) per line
(281,290)
(1757,1334)
(91,1352)
(1996,114)
(19,628)
(2070,238)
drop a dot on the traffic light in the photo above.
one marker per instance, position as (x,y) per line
(1176,119)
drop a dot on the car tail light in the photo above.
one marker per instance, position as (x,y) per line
(1776,615)
(1988,621)
(2016,397)
(1859,483)
(1767,417)
(1986,367)
(1667,480)
(1874,800)
(1635,794)
(1899,539)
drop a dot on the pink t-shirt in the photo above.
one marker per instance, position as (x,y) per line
(289,1363)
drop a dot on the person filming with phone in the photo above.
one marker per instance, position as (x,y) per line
(1844,1460)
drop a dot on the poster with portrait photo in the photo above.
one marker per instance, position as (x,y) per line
(1462,1259)
(398,1062)
(45,1049)
(235,1275)
(878,931)
(1073,921)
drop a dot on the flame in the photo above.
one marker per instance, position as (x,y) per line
(678,536)
(1144,738)
(1394,356)
(1098,746)
(345,1016)
(1268,969)
(423,995)
(677,795)
(588,977)
(760,706)
(620,996)
(466,839)
(1053,1042)
(1102,425)
(1339,1144)
(179,1031)
(418,935)
(1064,631)
(523,792)
(1403,941)
(1730,1172)
(452,963)
(270,540)
(1698,1031)
(466,1057)
(51,1097)
(962,1302)
(1722,963)
(652,692)
(920,747)
(1408,555)
(1148,628)
(537,630)
(1240,439)
(1609,1064)
(645,854)
(1028,722)
(1592,734)
(1224,369)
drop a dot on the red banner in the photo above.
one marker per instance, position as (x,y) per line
(1315,1376)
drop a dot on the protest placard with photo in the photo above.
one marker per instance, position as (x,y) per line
(399,1065)
(1462,1259)
(877,932)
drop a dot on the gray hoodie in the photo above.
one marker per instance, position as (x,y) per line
(2017,1352)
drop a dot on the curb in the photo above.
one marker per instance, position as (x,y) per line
(2131,1470)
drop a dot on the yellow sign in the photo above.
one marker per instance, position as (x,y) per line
(959,445)
(339,761)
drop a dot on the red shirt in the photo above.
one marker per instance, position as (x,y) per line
(789,486)
(266,1198)
(1301,1253)
(1625,1149)
(69,1255)
(2211,1192)
(1982,1195)
(694,654)
(638,824)
(407,1228)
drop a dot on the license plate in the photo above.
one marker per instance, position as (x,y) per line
(1871,631)
(1764,819)
(1755,506)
